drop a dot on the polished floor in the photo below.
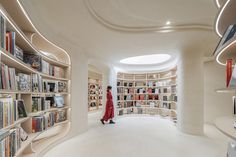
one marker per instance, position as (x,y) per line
(141,136)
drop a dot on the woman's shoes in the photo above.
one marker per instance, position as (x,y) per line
(111,122)
(102,121)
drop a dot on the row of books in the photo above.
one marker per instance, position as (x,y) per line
(10,111)
(127,91)
(45,103)
(148,83)
(41,123)
(8,38)
(172,97)
(54,86)
(52,70)
(11,46)
(10,142)
(22,82)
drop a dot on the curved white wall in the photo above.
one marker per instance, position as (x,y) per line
(190,92)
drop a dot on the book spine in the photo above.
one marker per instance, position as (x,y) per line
(3,77)
(1,115)
(7,42)
(13,34)
(228,71)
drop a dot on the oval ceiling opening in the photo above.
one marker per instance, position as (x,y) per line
(146,59)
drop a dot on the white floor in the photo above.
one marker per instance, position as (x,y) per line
(141,136)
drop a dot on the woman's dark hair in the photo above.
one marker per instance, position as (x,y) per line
(109,88)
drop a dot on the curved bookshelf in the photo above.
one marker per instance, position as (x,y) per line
(40,94)
(225,17)
(15,9)
(24,42)
(147,93)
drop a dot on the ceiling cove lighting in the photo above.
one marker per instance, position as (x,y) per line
(146,59)
(167,22)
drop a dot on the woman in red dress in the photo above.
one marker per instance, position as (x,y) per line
(109,113)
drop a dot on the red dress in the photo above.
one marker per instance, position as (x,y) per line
(109,113)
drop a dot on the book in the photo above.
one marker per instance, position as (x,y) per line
(234,105)
(60,116)
(50,86)
(22,113)
(45,67)
(8,42)
(37,85)
(24,82)
(59,101)
(228,34)
(19,53)
(232,82)
(35,61)
(228,71)
(3,31)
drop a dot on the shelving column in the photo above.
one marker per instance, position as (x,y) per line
(190,93)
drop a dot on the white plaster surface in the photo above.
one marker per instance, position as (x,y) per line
(141,136)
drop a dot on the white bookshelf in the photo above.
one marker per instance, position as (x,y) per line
(224,18)
(146,92)
(94,94)
(11,61)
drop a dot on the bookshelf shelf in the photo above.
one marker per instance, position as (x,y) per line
(32,114)
(94,94)
(19,121)
(226,90)
(148,91)
(20,83)
(26,143)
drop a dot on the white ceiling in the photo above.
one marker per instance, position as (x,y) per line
(110,30)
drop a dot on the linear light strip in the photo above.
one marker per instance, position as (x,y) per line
(223,50)
(218,3)
(218,18)
(26,15)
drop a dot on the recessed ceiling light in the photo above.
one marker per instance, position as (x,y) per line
(168,23)
(146,59)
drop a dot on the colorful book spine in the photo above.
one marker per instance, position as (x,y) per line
(229,63)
